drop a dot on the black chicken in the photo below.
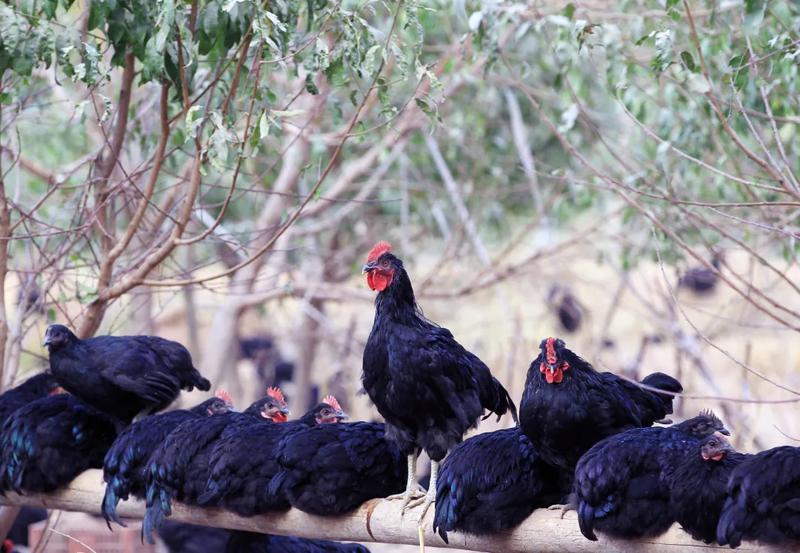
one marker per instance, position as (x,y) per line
(567,406)
(702,280)
(763,501)
(243,462)
(428,388)
(179,467)
(566,306)
(50,441)
(182,537)
(621,484)
(492,482)
(125,463)
(122,375)
(249,542)
(699,486)
(36,387)
(333,468)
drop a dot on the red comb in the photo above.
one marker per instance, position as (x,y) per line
(275,393)
(330,400)
(224,396)
(378,250)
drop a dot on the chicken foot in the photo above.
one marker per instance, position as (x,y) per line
(413,491)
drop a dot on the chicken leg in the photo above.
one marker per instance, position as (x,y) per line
(412,491)
(430,497)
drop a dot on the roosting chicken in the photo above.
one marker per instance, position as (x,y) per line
(50,441)
(702,280)
(699,486)
(566,306)
(126,461)
(763,499)
(428,388)
(36,387)
(492,482)
(249,542)
(567,406)
(333,468)
(179,468)
(243,463)
(182,537)
(621,484)
(122,375)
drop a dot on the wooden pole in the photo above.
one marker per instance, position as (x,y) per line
(380,521)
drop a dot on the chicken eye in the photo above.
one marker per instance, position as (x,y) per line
(385,264)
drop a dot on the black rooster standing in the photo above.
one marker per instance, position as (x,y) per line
(122,375)
(333,468)
(567,406)
(763,499)
(699,486)
(243,462)
(125,463)
(621,484)
(50,441)
(36,387)
(492,482)
(179,468)
(428,388)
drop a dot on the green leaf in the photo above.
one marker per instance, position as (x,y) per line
(698,84)
(754,13)
(688,61)
(194,118)
(569,10)
(311,86)
(288,112)
(164,24)
(263,125)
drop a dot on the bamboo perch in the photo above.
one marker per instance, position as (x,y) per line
(379,521)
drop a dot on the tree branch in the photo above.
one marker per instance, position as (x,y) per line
(380,521)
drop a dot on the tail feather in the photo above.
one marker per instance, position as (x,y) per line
(586,520)
(729,528)
(109,507)
(499,402)
(657,405)
(277,483)
(199,382)
(159,507)
(445,516)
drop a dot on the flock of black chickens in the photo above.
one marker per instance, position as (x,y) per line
(583,439)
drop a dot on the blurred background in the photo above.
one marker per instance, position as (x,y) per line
(623,175)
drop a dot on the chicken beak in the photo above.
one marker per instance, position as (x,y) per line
(368,268)
(724,431)
(47,339)
(341,416)
(285,411)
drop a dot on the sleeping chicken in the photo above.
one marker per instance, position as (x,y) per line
(699,486)
(331,469)
(242,463)
(621,484)
(763,501)
(125,463)
(492,482)
(50,441)
(178,469)
(36,387)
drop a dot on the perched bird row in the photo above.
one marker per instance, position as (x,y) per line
(583,437)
